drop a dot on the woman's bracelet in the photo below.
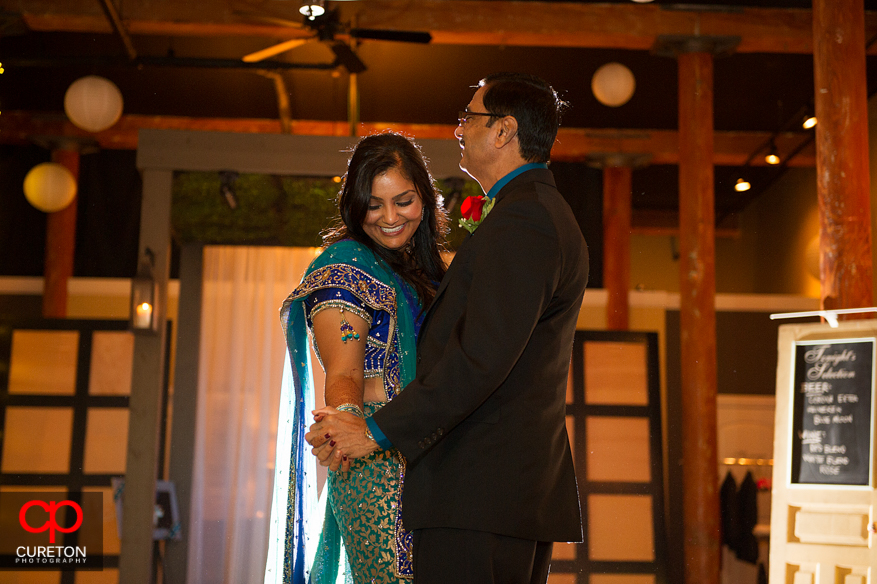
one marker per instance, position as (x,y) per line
(351,409)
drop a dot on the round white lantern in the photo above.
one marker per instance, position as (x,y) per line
(49,187)
(613,84)
(93,103)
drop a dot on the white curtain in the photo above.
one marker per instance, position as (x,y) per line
(241,365)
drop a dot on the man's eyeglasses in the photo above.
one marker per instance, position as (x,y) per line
(463,116)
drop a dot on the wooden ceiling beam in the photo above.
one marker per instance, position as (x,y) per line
(462,22)
(573,144)
(730,149)
(97,24)
(618,26)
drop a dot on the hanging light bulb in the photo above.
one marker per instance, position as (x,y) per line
(809,122)
(772,157)
(742,185)
(313,8)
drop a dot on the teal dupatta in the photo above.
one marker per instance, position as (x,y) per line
(305,544)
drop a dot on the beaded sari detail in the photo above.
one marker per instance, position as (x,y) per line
(358,538)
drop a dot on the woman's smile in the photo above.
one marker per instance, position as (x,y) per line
(395,210)
(393,230)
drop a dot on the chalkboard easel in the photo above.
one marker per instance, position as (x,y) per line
(832,423)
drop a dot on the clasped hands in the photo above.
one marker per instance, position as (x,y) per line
(337,437)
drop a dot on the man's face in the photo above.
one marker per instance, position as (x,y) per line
(473,136)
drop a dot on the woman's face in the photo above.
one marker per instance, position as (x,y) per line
(395,210)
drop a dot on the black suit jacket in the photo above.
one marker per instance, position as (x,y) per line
(483,424)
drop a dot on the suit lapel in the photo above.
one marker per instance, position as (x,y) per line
(540,175)
(442,286)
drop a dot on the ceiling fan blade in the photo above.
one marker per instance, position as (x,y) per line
(270,20)
(404,36)
(258,12)
(347,57)
(273,50)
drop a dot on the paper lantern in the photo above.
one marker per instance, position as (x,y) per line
(613,84)
(49,187)
(93,103)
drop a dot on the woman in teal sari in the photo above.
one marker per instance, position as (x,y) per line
(361,301)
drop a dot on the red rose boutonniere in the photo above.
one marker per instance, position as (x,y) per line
(474,210)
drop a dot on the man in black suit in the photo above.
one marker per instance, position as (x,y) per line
(490,482)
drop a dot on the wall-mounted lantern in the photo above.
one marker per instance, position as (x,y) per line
(144,296)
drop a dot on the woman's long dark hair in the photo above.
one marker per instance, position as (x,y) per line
(420,264)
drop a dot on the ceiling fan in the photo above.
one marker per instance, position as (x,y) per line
(324,25)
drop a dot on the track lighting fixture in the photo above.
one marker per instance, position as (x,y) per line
(742,185)
(772,156)
(227,181)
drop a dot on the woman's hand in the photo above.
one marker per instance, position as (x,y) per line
(336,437)
(325,449)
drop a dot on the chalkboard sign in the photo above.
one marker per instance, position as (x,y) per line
(832,424)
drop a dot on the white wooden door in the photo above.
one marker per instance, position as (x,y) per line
(823,499)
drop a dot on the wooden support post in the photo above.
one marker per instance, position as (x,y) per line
(843,182)
(147,380)
(616,244)
(60,245)
(185,414)
(697,272)
(353,104)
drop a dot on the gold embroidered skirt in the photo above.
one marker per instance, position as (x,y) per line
(367,504)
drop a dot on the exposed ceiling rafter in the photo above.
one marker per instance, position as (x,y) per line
(465,22)
(573,144)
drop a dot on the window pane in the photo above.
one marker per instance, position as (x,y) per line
(618,449)
(31,577)
(43,362)
(112,544)
(622,579)
(112,359)
(32,489)
(616,373)
(107,576)
(106,441)
(620,528)
(563,551)
(37,440)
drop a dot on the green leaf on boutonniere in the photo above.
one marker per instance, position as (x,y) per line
(474,211)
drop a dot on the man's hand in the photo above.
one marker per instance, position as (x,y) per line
(336,437)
